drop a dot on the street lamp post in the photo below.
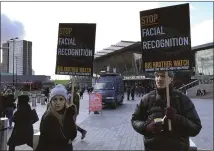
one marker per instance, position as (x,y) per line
(13,39)
(16,71)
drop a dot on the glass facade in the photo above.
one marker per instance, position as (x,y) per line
(204,62)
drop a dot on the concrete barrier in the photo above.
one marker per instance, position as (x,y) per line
(3,133)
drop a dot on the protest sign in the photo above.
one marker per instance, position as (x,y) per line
(75,49)
(165,39)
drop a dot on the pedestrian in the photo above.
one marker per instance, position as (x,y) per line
(128,91)
(82,92)
(10,107)
(2,105)
(23,128)
(133,91)
(57,127)
(182,113)
(76,101)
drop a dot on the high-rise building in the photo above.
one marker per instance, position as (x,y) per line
(21,62)
(5,58)
(33,72)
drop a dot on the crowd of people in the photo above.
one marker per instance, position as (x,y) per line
(137,90)
(58,126)
(201,92)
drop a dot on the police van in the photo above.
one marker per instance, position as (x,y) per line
(111,86)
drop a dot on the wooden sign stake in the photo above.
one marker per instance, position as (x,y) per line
(72,90)
(168,98)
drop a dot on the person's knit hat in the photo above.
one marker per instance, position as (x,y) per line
(170,73)
(59,90)
(61,85)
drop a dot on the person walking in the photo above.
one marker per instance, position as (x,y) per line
(10,107)
(23,129)
(76,101)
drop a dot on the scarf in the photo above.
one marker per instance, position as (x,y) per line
(59,115)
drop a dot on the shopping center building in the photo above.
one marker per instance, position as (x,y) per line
(125,57)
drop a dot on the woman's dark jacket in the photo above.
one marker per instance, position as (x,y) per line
(54,137)
(23,128)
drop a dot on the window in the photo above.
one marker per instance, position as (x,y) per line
(104,86)
(204,62)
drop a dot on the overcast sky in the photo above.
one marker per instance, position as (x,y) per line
(116,21)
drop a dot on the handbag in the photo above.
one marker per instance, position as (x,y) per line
(34,116)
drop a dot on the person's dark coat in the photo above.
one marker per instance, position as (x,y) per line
(188,124)
(77,102)
(3,102)
(23,128)
(54,137)
(2,105)
(46,92)
(128,89)
(10,101)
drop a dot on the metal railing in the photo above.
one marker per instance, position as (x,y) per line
(188,86)
(195,83)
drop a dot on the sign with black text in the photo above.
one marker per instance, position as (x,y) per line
(166,39)
(75,49)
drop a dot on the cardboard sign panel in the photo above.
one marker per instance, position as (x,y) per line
(75,49)
(165,39)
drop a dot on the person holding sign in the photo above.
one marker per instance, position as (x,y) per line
(57,127)
(152,114)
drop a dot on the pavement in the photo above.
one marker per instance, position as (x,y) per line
(204,107)
(112,129)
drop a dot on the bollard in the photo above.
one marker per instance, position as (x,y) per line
(193,147)
(3,133)
(35,140)
(43,99)
(30,97)
(38,98)
(33,100)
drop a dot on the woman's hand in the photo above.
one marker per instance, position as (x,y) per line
(71,110)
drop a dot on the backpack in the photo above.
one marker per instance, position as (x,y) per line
(176,96)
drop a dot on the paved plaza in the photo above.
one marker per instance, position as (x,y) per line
(112,129)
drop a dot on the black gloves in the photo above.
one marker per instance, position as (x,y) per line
(171,114)
(71,110)
(154,127)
